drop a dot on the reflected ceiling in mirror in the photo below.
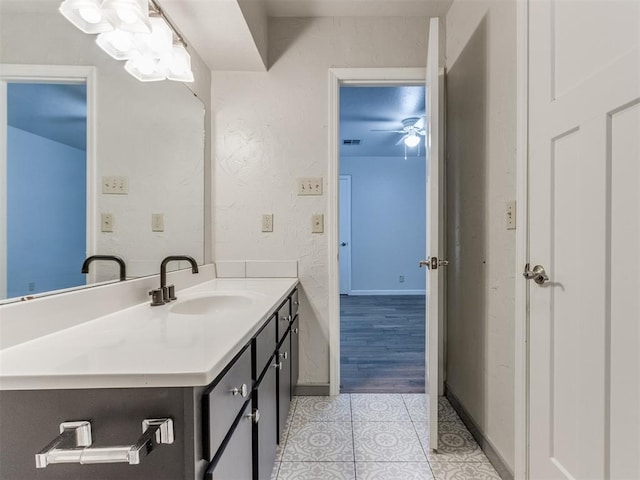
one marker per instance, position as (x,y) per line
(151,135)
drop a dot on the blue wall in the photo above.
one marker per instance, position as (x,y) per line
(388,222)
(46,214)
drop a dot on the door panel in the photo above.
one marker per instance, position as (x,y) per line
(584,218)
(267,427)
(434,317)
(284,384)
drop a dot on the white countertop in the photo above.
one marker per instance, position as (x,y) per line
(145,346)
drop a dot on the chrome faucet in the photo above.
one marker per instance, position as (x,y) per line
(114,258)
(168,293)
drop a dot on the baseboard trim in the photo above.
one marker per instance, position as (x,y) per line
(313,389)
(492,454)
(387,292)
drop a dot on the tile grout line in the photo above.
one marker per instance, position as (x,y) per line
(353,439)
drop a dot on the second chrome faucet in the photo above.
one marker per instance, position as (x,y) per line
(167,293)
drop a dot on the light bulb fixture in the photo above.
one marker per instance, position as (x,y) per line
(411,140)
(119,44)
(158,43)
(152,46)
(128,15)
(176,65)
(144,68)
(87,15)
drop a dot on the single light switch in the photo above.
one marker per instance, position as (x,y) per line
(157,222)
(317,223)
(106,222)
(511,215)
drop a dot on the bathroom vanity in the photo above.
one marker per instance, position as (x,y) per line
(217,368)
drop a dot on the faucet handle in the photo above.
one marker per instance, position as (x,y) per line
(171,293)
(156,297)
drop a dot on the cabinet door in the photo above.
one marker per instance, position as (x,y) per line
(284,319)
(295,344)
(266,430)
(234,460)
(223,400)
(284,383)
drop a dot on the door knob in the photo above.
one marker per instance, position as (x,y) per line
(538,274)
(344,244)
(432,263)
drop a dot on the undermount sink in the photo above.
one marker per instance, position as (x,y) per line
(213,303)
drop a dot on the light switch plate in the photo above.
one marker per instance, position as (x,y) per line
(106,222)
(157,222)
(310,186)
(115,185)
(317,223)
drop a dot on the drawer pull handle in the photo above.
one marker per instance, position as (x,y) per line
(287,318)
(72,445)
(243,391)
(284,356)
(255,416)
(296,303)
(296,330)
(277,365)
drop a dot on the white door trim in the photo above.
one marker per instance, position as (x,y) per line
(69,73)
(338,77)
(521,359)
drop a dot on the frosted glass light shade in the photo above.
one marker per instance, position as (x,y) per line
(119,44)
(158,43)
(145,69)
(87,15)
(128,15)
(176,65)
(412,140)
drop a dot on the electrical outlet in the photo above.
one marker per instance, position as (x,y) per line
(310,186)
(115,185)
(157,222)
(106,222)
(401,279)
(267,222)
(511,215)
(317,223)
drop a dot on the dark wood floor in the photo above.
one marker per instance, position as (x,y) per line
(382,344)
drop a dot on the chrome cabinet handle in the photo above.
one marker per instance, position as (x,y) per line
(243,391)
(277,366)
(72,445)
(296,330)
(538,274)
(287,318)
(284,356)
(255,416)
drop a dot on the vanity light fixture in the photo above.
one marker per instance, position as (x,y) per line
(136,31)
(87,15)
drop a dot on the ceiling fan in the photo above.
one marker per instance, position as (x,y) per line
(412,128)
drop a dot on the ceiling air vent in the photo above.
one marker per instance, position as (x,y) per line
(351,142)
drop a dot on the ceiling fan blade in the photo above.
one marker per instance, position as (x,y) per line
(420,123)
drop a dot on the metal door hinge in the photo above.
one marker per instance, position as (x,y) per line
(432,263)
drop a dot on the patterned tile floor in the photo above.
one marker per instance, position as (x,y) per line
(376,437)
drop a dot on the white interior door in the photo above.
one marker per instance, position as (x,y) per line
(434,317)
(345,234)
(584,177)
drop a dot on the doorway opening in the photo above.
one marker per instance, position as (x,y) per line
(382,235)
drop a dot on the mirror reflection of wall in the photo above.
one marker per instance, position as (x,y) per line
(151,134)
(46,186)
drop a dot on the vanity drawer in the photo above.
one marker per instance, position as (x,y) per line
(284,320)
(265,345)
(294,303)
(223,400)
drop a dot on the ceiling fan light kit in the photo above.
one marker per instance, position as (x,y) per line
(413,129)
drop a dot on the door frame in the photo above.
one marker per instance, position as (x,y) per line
(521,314)
(342,201)
(337,78)
(58,74)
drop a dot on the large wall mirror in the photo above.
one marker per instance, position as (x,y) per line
(92,161)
